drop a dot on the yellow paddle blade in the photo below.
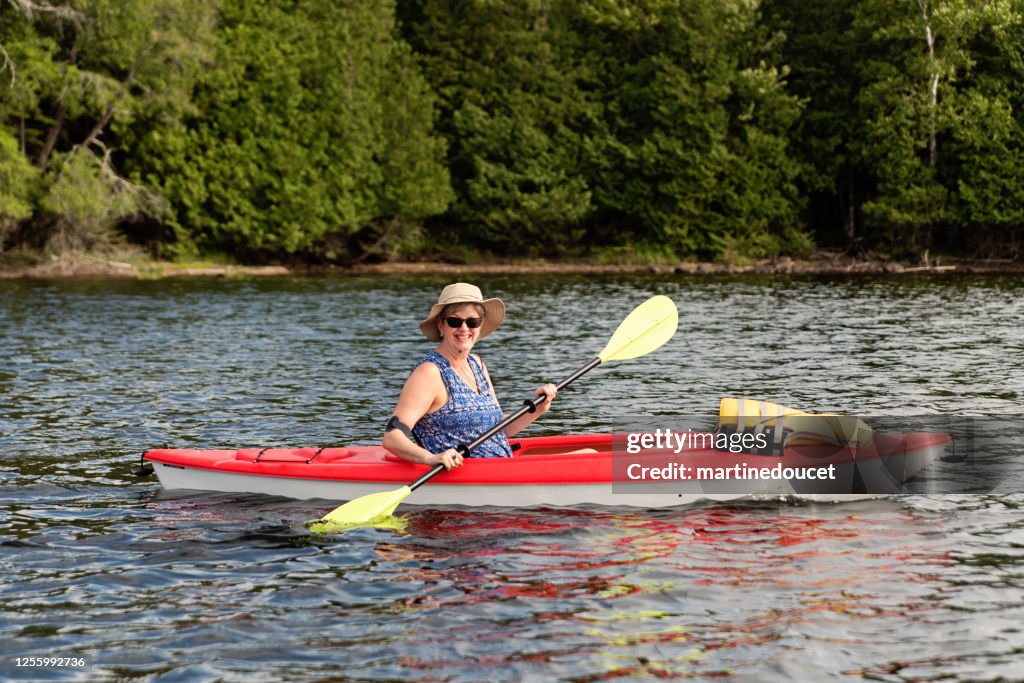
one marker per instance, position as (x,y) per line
(647,328)
(361,511)
(389,522)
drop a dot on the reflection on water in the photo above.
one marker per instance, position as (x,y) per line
(141,583)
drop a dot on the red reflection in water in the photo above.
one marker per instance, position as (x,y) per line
(783,549)
(194,516)
(798,563)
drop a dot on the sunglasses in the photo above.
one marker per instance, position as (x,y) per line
(455,322)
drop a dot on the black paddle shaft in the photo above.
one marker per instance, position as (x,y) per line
(529,406)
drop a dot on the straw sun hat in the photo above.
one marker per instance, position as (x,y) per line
(458,293)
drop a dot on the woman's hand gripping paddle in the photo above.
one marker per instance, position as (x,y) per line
(648,327)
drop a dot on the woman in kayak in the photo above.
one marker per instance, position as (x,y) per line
(449,398)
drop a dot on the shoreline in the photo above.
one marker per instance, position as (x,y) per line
(820,263)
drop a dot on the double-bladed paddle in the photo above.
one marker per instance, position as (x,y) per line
(648,327)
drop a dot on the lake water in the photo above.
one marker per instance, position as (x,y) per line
(127,582)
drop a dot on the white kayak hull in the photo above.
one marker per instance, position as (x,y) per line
(440,494)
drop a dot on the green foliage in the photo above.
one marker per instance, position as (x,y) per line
(822,53)
(661,120)
(988,194)
(415,183)
(938,118)
(266,132)
(87,202)
(987,197)
(692,137)
(904,116)
(912,126)
(17,179)
(84,76)
(511,110)
(647,130)
(314,130)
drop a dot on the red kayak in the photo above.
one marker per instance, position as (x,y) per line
(563,470)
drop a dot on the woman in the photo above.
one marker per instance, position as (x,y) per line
(449,398)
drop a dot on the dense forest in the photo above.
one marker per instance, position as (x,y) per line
(341,130)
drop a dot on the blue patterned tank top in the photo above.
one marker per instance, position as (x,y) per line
(465,416)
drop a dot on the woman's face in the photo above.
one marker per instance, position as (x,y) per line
(462,336)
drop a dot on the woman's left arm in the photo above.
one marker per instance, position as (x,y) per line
(547,390)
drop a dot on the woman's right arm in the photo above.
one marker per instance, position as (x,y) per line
(423,391)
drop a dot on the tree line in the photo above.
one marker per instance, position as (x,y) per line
(341,130)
